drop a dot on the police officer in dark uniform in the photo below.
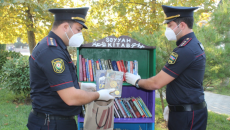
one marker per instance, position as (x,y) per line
(183,73)
(55,89)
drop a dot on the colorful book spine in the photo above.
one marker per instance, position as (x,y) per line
(125,63)
(103,64)
(114,64)
(99,61)
(138,108)
(146,108)
(110,64)
(135,67)
(143,108)
(80,68)
(90,70)
(128,66)
(134,108)
(94,70)
(131,67)
(120,107)
(107,65)
(97,65)
(123,69)
(131,109)
(84,69)
(118,110)
(126,111)
(127,107)
(88,73)
(118,65)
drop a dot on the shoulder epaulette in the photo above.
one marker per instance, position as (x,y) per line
(185,42)
(51,41)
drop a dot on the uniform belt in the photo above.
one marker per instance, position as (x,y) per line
(187,107)
(51,117)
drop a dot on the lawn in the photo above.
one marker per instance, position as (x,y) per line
(14,116)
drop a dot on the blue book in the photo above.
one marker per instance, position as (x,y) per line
(88,73)
(126,111)
(99,61)
(86,69)
(94,71)
(128,66)
(143,108)
(135,67)
(114,64)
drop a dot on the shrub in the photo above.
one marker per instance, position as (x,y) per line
(15,76)
(2,46)
(4,54)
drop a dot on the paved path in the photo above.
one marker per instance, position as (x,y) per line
(215,102)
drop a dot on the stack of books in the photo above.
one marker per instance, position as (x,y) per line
(88,67)
(130,108)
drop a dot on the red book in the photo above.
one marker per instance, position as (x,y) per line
(134,108)
(118,65)
(123,69)
(131,67)
(80,68)
(138,108)
(83,68)
(90,70)
(97,63)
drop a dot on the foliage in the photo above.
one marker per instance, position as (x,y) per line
(15,75)
(5,54)
(2,47)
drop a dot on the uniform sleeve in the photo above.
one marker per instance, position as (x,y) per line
(178,61)
(55,66)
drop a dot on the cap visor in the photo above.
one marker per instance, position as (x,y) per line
(83,24)
(168,20)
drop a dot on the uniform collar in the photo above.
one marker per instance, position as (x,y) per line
(58,39)
(190,35)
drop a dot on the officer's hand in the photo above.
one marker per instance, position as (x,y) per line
(131,78)
(104,94)
(89,87)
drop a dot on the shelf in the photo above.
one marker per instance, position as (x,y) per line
(126,120)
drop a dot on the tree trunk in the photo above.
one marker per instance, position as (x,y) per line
(30,32)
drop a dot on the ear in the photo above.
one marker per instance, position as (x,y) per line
(183,25)
(65,26)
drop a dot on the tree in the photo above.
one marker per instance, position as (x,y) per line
(28,19)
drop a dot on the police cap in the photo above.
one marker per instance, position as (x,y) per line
(173,12)
(75,14)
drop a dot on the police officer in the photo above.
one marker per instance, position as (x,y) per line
(183,73)
(55,89)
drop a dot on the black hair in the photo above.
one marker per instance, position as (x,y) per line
(57,23)
(188,20)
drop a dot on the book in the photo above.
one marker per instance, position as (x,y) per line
(146,108)
(143,108)
(114,65)
(118,65)
(131,109)
(127,108)
(99,61)
(136,67)
(122,104)
(100,79)
(110,64)
(90,70)
(84,69)
(120,108)
(88,73)
(125,63)
(128,66)
(138,108)
(107,65)
(94,70)
(80,68)
(134,108)
(97,65)
(116,112)
(123,69)
(103,64)
(131,67)
(114,79)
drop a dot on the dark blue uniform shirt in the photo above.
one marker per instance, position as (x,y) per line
(187,65)
(51,69)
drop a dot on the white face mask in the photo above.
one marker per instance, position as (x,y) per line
(170,34)
(76,40)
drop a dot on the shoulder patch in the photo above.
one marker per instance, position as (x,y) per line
(58,65)
(51,41)
(185,42)
(173,57)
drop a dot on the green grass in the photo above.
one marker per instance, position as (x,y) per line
(14,116)
(219,88)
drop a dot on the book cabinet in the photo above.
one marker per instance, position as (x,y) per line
(126,49)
